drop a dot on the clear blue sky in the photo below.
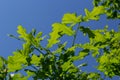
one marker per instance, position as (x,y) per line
(39,14)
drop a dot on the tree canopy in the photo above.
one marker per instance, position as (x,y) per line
(56,60)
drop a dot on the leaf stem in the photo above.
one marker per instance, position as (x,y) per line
(74,39)
(38,50)
(34,67)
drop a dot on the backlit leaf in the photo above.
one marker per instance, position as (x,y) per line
(94,14)
(36,59)
(2,62)
(16,62)
(18,76)
(57,31)
(71,18)
(22,32)
(66,65)
(83,53)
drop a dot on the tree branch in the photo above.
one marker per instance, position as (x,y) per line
(75,34)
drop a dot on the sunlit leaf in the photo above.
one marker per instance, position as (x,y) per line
(16,62)
(93,76)
(87,12)
(63,29)
(29,73)
(53,38)
(69,18)
(83,53)
(22,32)
(94,14)
(2,62)
(57,31)
(39,35)
(66,65)
(36,59)
(26,48)
(18,76)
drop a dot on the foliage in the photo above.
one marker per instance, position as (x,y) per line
(35,61)
(112,7)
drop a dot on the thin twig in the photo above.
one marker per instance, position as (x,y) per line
(38,50)
(34,67)
(75,35)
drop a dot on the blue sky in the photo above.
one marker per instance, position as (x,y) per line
(39,14)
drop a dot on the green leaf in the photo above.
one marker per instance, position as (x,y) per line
(2,62)
(39,35)
(18,76)
(98,10)
(104,59)
(66,65)
(53,38)
(83,54)
(60,48)
(16,62)
(90,47)
(69,53)
(71,49)
(69,18)
(30,38)
(94,76)
(57,31)
(73,70)
(22,32)
(87,12)
(99,37)
(63,29)
(26,48)
(36,59)
(37,39)
(24,35)
(94,14)
(29,73)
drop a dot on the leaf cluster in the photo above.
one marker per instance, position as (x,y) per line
(56,60)
(112,7)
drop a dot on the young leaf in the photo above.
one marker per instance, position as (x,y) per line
(2,62)
(99,37)
(83,54)
(16,62)
(58,30)
(71,18)
(64,29)
(87,12)
(29,73)
(26,48)
(94,14)
(36,59)
(53,37)
(66,65)
(22,32)
(94,76)
(39,35)
(18,76)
